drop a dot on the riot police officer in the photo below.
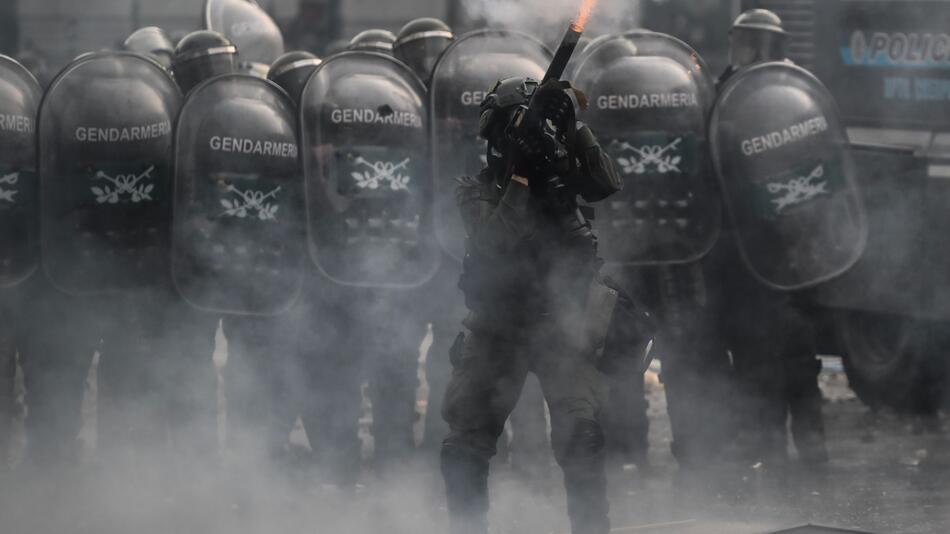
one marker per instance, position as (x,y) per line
(655,233)
(106,247)
(457,87)
(370,225)
(420,44)
(238,246)
(775,361)
(757,35)
(530,280)
(19,205)
(151,41)
(291,72)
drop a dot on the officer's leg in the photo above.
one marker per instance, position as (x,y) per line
(486,383)
(438,372)
(56,349)
(696,368)
(529,445)
(448,311)
(258,348)
(131,404)
(8,335)
(805,403)
(191,383)
(576,391)
(393,381)
(802,368)
(625,418)
(761,380)
(329,395)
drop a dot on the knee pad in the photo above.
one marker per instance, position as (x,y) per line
(585,440)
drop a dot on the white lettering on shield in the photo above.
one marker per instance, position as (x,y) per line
(253,147)
(144,132)
(405,119)
(785,136)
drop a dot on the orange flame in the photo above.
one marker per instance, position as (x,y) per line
(587,7)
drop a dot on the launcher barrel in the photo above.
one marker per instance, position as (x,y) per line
(563,55)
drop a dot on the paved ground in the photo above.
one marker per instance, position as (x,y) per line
(887,475)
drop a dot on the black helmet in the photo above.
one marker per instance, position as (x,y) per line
(292,70)
(496,114)
(757,35)
(151,41)
(420,44)
(202,55)
(503,98)
(759,19)
(374,41)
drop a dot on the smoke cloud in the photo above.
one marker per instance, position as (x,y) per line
(547,19)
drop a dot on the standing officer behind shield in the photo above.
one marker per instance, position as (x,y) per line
(19,203)
(537,303)
(769,335)
(238,246)
(363,124)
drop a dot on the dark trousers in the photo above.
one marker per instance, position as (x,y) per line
(346,337)
(259,382)
(490,372)
(157,384)
(697,373)
(772,343)
(56,338)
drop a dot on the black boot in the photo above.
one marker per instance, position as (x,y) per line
(466,489)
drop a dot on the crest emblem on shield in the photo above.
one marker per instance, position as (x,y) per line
(251,204)
(8,193)
(123,188)
(382,174)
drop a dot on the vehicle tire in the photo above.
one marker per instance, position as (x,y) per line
(893,361)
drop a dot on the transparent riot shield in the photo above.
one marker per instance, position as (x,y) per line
(369,190)
(783,161)
(649,115)
(239,218)
(20,96)
(105,168)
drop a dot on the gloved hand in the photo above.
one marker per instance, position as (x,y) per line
(540,133)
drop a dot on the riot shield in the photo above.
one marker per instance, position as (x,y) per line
(651,43)
(787,176)
(239,218)
(20,96)
(250,28)
(461,80)
(369,192)
(649,115)
(105,168)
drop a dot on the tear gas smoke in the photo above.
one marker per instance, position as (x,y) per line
(546,18)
